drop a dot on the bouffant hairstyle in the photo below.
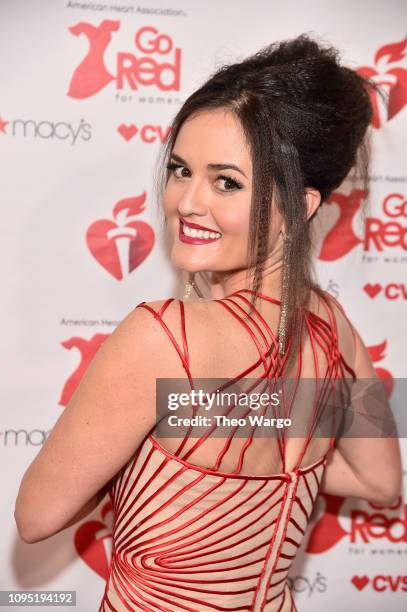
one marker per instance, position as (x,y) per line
(305,117)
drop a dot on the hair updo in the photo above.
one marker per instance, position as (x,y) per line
(305,119)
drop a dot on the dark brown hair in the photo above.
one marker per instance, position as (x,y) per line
(305,118)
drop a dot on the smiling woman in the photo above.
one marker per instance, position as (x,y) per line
(215,522)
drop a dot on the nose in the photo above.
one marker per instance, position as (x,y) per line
(192,200)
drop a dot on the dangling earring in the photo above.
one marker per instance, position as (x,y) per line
(191,285)
(282,328)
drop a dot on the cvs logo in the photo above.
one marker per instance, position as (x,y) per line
(148,133)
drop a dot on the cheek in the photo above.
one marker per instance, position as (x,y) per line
(168,202)
(234,219)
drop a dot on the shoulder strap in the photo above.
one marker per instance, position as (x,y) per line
(329,299)
(158,315)
(342,310)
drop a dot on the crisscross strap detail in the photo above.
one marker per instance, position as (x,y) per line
(184,352)
(321,333)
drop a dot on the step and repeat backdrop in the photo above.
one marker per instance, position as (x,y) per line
(88,90)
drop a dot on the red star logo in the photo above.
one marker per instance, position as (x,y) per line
(3,125)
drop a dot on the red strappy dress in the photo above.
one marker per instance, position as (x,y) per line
(187,537)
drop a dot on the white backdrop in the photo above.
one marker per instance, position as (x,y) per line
(87,94)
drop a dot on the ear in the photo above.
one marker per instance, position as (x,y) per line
(313,198)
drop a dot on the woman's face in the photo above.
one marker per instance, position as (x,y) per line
(201,193)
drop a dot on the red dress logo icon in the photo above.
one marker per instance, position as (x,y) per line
(341,238)
(91,75)
(379,233)
(87,349)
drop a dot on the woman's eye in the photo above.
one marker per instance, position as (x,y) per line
(230,184)
(173,167)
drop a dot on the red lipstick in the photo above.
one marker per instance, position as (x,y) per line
(189,239)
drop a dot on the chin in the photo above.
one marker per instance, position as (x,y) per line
(188,263)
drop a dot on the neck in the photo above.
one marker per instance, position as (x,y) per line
(225,283)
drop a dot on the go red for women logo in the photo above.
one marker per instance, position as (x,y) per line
(366,526)
(380,233)
(392,78)
(153,62)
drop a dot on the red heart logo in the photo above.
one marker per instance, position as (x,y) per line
(327,532)
(372,290)
(101,239)
(127,131)
(360,582)
(395,79)
(93,543)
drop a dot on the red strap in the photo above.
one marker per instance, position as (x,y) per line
(321,332)
(184,355)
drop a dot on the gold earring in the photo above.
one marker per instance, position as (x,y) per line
(282,328)
(191,285)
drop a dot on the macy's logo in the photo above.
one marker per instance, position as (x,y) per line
(26,437)
(378,233)
(91,76)
(60,130)
(391,77)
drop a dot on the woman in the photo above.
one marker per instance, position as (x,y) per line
(213,522)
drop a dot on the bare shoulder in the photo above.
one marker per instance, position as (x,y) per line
(159,326)
(127,360)
(170,311)
(139,349)
(136,335)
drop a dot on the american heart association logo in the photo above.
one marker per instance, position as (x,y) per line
(120,246)
(392,77)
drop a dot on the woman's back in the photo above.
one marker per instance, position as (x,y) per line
(223,342)
(217,527)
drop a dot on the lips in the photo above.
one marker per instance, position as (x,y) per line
(196,226)
(196,240)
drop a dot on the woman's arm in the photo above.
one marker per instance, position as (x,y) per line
(111,411)
(89,506)
(369,468)
(340,478)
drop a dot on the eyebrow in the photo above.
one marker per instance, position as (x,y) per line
(211,166)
